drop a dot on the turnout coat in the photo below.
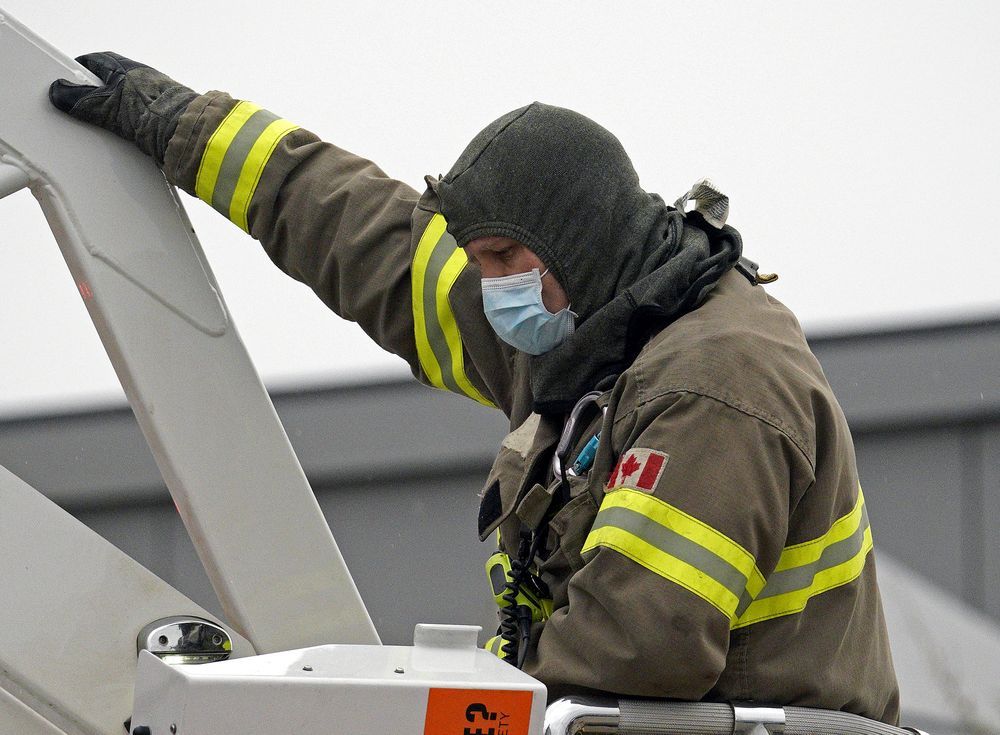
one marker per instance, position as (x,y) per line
(717,549)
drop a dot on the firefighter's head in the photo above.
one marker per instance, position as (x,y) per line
(549,205)
(545,189)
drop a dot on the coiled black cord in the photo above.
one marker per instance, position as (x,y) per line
(515,618)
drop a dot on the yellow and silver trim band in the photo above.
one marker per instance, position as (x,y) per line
(683,549)
(235,157)
(437,264)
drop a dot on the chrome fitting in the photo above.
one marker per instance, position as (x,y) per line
(186,639)
(750,720)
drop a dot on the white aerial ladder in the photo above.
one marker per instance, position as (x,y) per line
(91,643)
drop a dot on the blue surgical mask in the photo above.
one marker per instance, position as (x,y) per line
(514,307)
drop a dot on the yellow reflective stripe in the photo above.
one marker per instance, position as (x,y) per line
(810,551)
(795,601)
(215,150)
(234,159)
(428,361)
(686,525)
(253,167)
(811,568)
(446,317)
(687,551)
(680,572)
(677,546)
(756,582)
(493,644)
(437,264)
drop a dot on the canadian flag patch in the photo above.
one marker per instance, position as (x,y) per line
(639,469)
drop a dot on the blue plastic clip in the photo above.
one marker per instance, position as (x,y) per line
(585,459)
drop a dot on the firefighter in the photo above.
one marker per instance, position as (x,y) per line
(677,505)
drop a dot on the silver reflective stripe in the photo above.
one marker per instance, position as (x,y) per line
(495,644)
(236,155)
(745,600)
(444,248)
(676,545)
(800,578)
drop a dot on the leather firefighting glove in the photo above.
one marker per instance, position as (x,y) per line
(136,102)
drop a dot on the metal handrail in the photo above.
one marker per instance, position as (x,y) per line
(580,714)
(586,715)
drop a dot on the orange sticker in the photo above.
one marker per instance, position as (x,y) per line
(477,712)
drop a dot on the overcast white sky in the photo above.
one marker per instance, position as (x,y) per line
(857,142)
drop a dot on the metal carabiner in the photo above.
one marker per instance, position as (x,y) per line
(559,470)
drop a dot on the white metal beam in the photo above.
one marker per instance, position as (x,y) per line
(71,608)
(202,407)
(16,718)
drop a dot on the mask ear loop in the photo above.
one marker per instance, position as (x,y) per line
(568,307)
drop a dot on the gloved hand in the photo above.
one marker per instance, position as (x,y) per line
(136,102)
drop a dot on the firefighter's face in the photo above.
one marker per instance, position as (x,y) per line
(502,256)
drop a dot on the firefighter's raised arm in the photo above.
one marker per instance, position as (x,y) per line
(371,247)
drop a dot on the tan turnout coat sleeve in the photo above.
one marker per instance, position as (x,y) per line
(336,222)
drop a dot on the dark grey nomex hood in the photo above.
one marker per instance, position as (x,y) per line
(564,186)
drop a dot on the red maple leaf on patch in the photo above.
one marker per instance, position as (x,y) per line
(630,466)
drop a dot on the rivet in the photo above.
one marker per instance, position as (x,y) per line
(399,670)
(307,668)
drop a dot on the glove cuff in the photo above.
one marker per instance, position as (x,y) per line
(155,129)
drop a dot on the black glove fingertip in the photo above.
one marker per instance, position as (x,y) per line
(101,63)
(124,62)
(64,94)
(107,64)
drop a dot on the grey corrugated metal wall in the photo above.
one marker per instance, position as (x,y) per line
(396,467)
